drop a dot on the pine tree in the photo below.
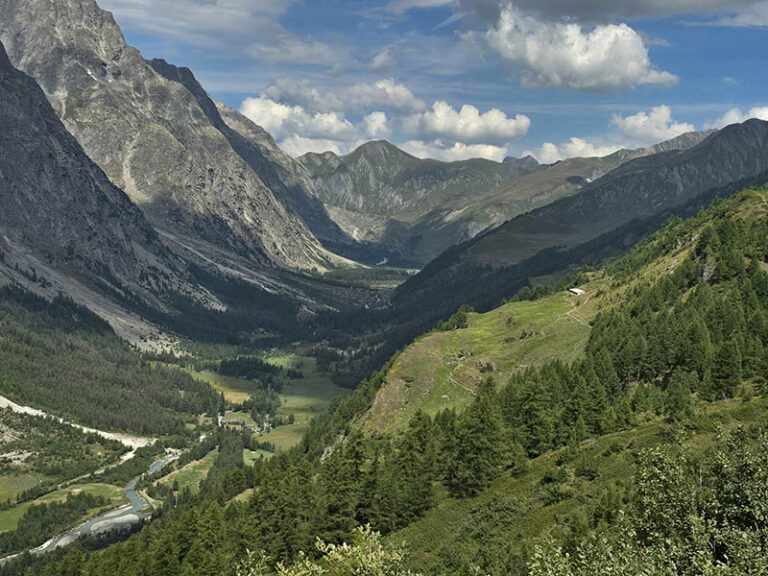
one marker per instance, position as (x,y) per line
(341,479)
(480,453)
(726,373)
(678,401)
(417,467)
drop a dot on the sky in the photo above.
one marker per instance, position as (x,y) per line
(454,79)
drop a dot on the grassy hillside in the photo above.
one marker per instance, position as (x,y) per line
(442,369)
(566,492)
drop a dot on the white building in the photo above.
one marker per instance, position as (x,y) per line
(576,291)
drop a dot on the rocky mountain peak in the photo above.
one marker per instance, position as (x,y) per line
(155,132)
(60,209)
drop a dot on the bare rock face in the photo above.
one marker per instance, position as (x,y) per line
(152,135)
(60,207)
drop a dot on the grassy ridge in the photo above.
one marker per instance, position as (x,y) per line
(442,369)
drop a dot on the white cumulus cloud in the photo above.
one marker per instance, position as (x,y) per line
(376,125)
(550,153)
(607,58)
(282,120)
(467,125)
(303,118)
(736,116)
(382,94)
(457,151)
(646,128)
(299,145)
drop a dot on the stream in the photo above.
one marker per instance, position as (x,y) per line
(116,518)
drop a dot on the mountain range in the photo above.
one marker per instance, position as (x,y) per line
(156,134)
(208,195)
(603,219)
(415,209)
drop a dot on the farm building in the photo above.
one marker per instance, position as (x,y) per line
(576,291)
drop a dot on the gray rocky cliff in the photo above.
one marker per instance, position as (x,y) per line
(151,135)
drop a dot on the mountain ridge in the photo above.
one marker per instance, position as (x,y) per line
(65,228)
(171,160)
(420,207)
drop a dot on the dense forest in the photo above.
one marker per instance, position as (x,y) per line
(668,344)
(60,357)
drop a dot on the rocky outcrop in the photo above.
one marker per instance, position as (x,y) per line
(153,134)
(58,206)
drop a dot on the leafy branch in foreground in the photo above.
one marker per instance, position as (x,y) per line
(366,556)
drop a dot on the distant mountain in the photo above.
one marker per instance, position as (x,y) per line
(382,195)
(605,217)
(158,136)
(63,225)
(419,208)
(638,189)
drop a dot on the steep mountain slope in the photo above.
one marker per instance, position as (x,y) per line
(608,214)
(284,175)
(151,135)
(687,295)
(638,189)
(61,213)
(442,369)
(419,208)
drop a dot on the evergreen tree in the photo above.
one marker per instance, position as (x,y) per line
(678,403)
(481,452)
(416,462)
(726,372)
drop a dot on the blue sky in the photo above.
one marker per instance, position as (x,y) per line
(458,78)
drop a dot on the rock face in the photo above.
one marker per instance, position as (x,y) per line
(154,132)
(60,207)
(419,208)
(382,195)
(286,177)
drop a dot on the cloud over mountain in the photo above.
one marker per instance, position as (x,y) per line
(304,118)
(646,128)
(604,58)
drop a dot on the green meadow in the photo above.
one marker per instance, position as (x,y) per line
(442,369)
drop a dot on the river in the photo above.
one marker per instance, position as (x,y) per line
(121,517)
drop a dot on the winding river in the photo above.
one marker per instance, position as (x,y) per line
(121,517)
